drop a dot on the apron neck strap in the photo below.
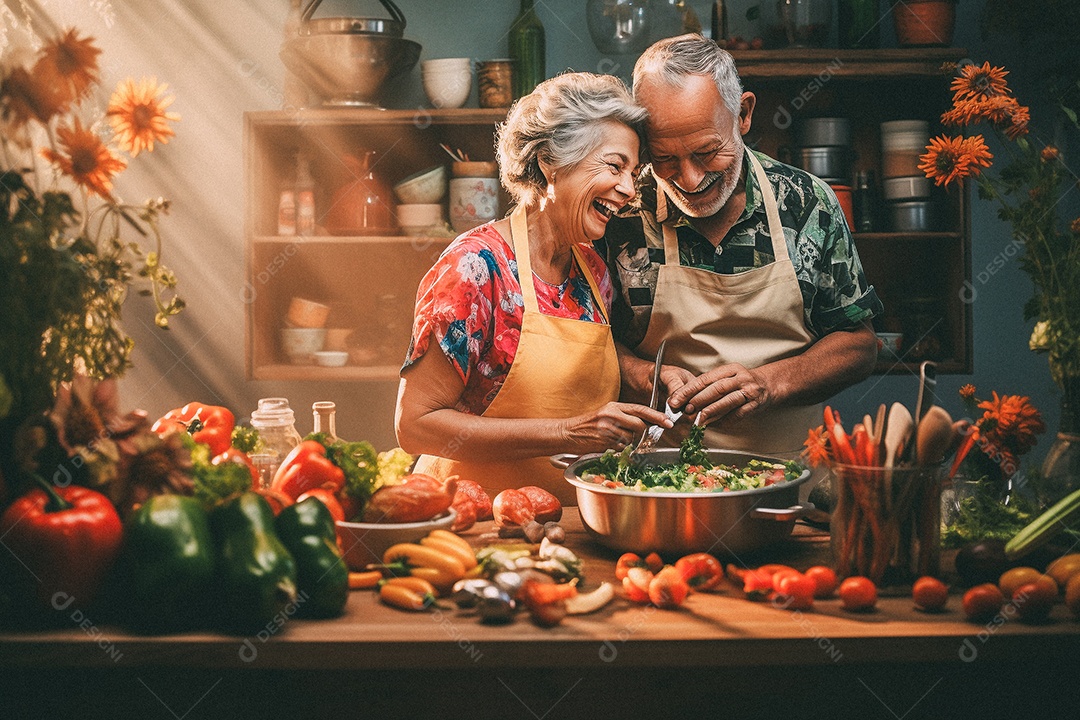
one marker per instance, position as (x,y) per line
(776,230)
(519,236)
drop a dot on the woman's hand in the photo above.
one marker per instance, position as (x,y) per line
(612,426)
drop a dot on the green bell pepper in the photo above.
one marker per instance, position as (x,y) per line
(168,563)
(256,575)
(307,530)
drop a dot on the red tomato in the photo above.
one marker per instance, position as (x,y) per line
(929,593)
(781,574)
(546,506)
(858,593)
(668,589)
(1033,601)
(701,571)
(477,494)
(796,592)
(466,512)
(512,509)
(824,581)
(757,585)
(982,602)
(328,499)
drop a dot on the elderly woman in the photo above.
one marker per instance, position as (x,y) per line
(512,358)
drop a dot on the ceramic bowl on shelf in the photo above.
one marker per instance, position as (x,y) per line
(301,344)
(447,82)
(331,358)
(422,188)
(304,313)
(416,219)
(365,542)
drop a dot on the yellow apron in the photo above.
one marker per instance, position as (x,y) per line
(563,367)
(753,318)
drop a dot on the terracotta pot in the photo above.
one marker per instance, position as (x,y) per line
(924,23)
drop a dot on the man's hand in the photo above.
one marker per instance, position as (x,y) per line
(729,391)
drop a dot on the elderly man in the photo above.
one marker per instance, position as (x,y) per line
(743,265)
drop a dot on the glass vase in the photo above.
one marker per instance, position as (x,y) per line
(1061,468)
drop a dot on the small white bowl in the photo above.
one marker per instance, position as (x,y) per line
(422,188)
(444,64)
(448,89)
(413,219)
(365,543)
(301,344)
(331,358)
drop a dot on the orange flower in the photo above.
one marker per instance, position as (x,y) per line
(954,158)
(1019,117)
(816,451)
(69,65)
(1011,422)
(962,113)
(85,159)
(137,114)
(977,82)
(967,391)
(27,98)
(1075,225)
(1049,153)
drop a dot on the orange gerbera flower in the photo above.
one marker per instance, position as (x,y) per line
(137,114)
(954,158)
(1049,153)
(69,65)
(85,159)
(1011,422)
(816,451)
(978,82)
(28,98)
(1018,122)
(1075,225)
(967,391)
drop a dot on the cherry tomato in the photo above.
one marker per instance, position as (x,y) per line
(668,589)
(796,592)
(929,593)
(824,581)
(982,602)
(1015,577)
(1034,600)
(757,585)
(858,593)
(636,584)
(780,575)
(650,562)
(701,571)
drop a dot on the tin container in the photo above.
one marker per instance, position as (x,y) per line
(912,216)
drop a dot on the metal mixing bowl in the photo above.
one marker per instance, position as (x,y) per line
(348,69)
(729,523)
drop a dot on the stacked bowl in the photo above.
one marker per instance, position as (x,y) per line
(447,81)
(905,188)
(825,151)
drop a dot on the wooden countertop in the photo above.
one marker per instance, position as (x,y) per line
(717,656)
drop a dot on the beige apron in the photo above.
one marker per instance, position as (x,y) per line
(563,367)
(753,318)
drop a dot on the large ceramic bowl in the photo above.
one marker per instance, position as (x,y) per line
(348,69)
(364,543)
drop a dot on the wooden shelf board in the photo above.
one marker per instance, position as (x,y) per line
(420,241)
(905,236)
(421,117)
(349,373)
(794,63)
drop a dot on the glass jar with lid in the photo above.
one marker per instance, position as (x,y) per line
(276,424)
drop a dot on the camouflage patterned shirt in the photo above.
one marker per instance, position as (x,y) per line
(835,293)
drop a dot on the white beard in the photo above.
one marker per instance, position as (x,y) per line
(728,181)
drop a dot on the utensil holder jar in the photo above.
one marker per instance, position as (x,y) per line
(886,524)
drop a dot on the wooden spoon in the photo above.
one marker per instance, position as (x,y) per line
(934,436)
(898,429)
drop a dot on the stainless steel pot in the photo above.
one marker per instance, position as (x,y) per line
(394,26)
(726,524)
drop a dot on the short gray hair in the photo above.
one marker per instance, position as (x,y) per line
(671,60)
(559,123)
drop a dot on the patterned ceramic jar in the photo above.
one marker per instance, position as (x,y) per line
(474,195)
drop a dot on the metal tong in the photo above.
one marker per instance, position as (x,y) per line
(652,434)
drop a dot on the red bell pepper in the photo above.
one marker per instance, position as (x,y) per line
(211,425)
(306,467)
(327,498)
(60,543)
(700,570)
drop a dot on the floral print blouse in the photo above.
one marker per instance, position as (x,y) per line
(470,302)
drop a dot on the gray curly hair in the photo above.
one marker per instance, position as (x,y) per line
(558,124)
(673,59)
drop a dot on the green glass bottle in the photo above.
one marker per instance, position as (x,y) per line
(526,41)
(859,23)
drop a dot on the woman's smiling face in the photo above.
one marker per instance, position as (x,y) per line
(583,197)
